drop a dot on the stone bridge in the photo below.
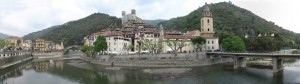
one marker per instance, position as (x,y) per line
(66,50)
(240,58)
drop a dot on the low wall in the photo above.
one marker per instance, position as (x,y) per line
(47,55)
(8,61)
(158,60)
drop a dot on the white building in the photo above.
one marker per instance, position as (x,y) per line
(117,43)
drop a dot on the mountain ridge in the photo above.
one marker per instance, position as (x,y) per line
(228,18)
(3,36)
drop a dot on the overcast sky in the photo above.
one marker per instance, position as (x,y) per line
(20,17)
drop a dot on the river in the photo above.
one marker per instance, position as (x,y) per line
(80,72)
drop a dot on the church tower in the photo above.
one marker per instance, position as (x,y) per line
(161,32)
(206,21)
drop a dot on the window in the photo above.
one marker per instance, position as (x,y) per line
(114,49)
(202,23)
(207,42)
(212,42)
(208,29)
(207,20)
(212,47)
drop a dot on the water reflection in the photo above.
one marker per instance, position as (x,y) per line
(79,72)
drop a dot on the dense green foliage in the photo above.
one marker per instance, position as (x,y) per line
(153,22)
(100,44)
(231,19)
(296,52)
(39,34)
(2,43)
(88,50)
(198,42)
(265,43)
(73,32)
(233,44)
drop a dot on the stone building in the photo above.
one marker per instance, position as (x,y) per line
(27,45)
(134,31)
(207,30)
(40,45)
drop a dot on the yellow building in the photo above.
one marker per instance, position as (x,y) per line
(41,45)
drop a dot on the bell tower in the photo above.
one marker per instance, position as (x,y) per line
(206,21)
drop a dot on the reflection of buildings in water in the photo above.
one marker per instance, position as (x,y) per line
(59,64)
(56,64)
(114,78)
(41,66)
(13,72)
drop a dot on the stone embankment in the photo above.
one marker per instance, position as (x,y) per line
(164,60)
(47,55)
(14,59)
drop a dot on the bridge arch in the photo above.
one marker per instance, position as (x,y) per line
(66,50)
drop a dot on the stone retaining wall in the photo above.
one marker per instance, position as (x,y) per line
(8,61)
(47,55)
(160,60)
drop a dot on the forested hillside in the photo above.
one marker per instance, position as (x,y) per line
(72,33)
(229,18)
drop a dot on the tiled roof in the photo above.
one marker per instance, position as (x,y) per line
(114,33)
(39,40)
(178,37)
(191,33)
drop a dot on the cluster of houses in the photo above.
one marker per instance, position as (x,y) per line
(38,45)
(134,31)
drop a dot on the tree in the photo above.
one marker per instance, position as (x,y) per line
(2,43)
(233,43)
(198,42)
(100,44)
(86,49)
(266,43)
(176,45)
(18,42)
(128,47)
(152,46)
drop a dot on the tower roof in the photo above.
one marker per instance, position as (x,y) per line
(206,8)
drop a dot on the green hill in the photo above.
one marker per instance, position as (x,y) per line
(153,22)
(229,18)
(72,32)
(3,36)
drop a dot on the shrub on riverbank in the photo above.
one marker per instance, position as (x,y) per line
(296,52)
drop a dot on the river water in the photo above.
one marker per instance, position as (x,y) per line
(80,72)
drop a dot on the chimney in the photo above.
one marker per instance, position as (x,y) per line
(123,13)
(133,11)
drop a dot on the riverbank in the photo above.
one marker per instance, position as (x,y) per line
(47,55)
(202,61)
(9,61)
